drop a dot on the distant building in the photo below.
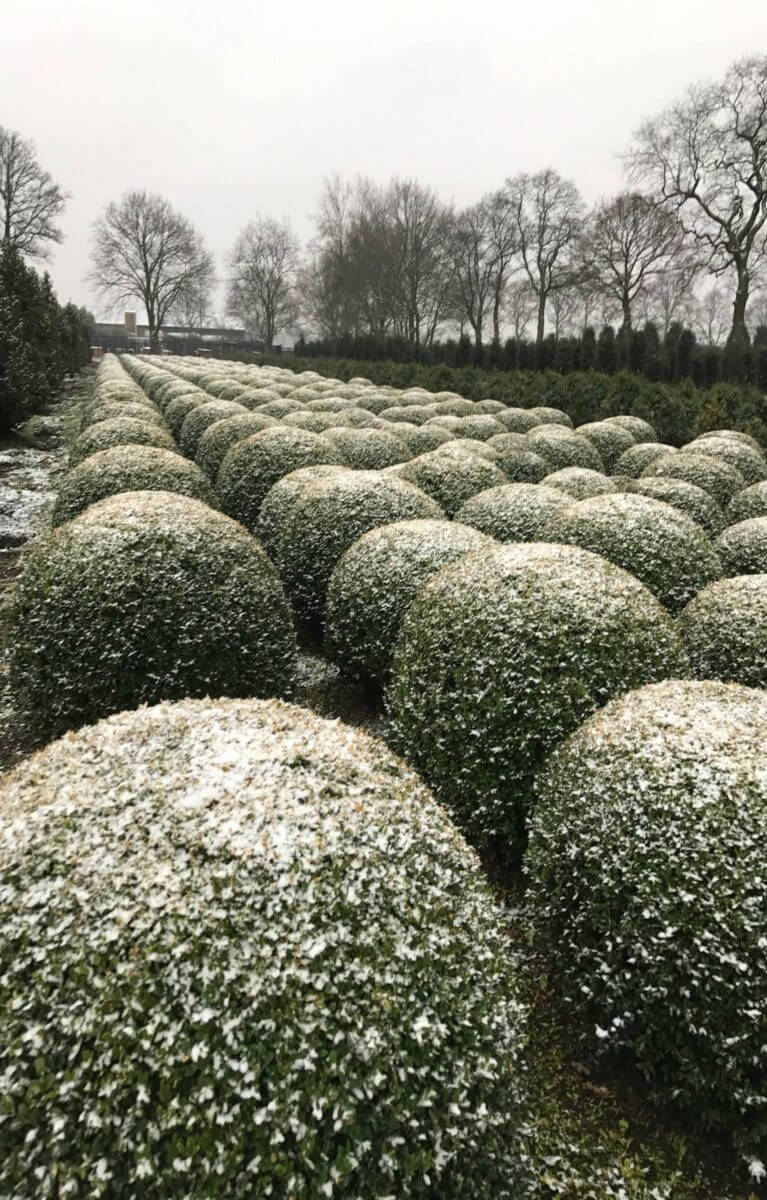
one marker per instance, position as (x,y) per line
(130,336)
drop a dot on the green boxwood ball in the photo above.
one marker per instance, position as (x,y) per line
(718,478)
(611,440)
(218,438)
(145,595)
(579,482)
(724,629)
(642,431)
(480,426)
(200,419)
(551,416)
(119,431)
(375,582)
(664,548)
(108,410)
(743,547)
(128,469)
(465,445)
(181,406)
(369,449)
(327,518)
(519,420)
(562,447)
(280,501)
(688,498)
(638,457)
(513,512)
(501,656)
(751,463)
(451,478)
(255,464)
(518,462)
(456,408)
(751,502)
(648,891)
(736,435)
(420,439)
(245,953)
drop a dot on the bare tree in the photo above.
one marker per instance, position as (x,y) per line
(144,250)
(547,212)
(519,306)
(192,309)
(503,241)
(706,157)
(262,285)
(30,201)
(712,314)
(564,304)
(669,299)
(630,241)
(420,273)
(474,261)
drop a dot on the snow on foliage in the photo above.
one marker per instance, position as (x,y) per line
(218,439)
(451,477)
(563,447)
(687,497)
(648,891)
(513,512)
(119,431)
(743,547)
(749,462)
(751,502)
(639,456)
(579,482)
(724,629)
(201,418)
(611,440)
(714,475)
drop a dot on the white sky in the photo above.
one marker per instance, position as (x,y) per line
(236,107)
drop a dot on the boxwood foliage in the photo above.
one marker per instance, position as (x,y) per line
(743,547)
(201,418)
(639,456)
(611,440)
(664,548)
(119,431)
(687,497)
(450,477)
(724,629)
(280,501)
(503,654)
(266,965)
(513,512)
(751,502)
(579,482)
(369,449)
(715,476)
(519,420)
(107,410)
(218,438)
(642,431)
(128,469)
(181,406)
(327,517)
(420,439)
(751,463)
(648,893)
(255,464)
(145,595)
(547,415)
(562,447)
(374,584)
(736,435)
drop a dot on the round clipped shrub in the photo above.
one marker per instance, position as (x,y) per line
(743,547)
(280,407)
(513,512)
(145,595)
(420,439)
(108,410)
(489,406)
(218,438)
(718,478)
(374,402)
(688,498)
(579,482)
(550,416)
(179,409)
(641,431)
(412,414)
(255,464)
(201,418)
(751,463)
(369,449)
(128,469)
(315,422)
(611,440)
(480,426)
(459,407)
(519,420)
(663,547)
(563,447)
(280,501)
(312,977)
(647,889)
(375,582)
(119,431)
(634,460)
(449,478)
(519,464)
(501,656)
(735,435)
(466,445)
(327,517)
(751,502)
(724,629)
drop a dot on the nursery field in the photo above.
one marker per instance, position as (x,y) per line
(392,815)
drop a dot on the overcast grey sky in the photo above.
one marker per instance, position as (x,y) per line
(236,107)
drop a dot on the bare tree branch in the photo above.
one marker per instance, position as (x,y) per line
(30,201)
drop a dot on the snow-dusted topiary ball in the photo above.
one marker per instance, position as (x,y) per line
(663,547)
(562,447)
(465,445)
(480,426)
(579,482)
(501,656)
(108,410)
(751,502)
(519,420)
(743,547)
(648,890)
(218,438)
(245,953)
(180,407)
(324,521)
(737,435)
(411,414)
(128,469)
(456,408)
(369,449)
(420,439)
(119,431)
(375,582)
(518,462)
(513,512)
(638,457)
(611,440)
(641,431)
(724,629)
(201,418)
(451,478)
(145,595)
(718,478)
(687,497)
(280,501)
(751,463)
(254,465)
(543,413)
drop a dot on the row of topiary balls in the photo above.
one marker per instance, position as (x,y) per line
(478,639)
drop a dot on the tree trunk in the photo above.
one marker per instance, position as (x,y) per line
(541,319)
(497,315)
(626,305)
(739,333)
